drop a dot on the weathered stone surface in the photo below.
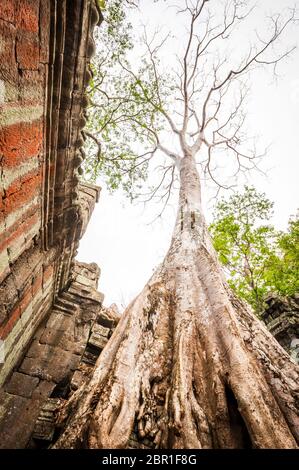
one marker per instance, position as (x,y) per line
(38,350)
(11,407)
(59,321)
(81,375)
(78,379)
(53,364)
(44,429)
(44,210)
(43,390)
(74,339)
(97,340)
(282,319)
(41,221)
(22,385)
(99,336)
(60,358)
(18,415)
(100,330)
(108,317)
(86,293)
(9,296)
(91,355)
(45,424)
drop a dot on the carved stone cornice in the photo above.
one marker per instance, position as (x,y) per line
(71,47)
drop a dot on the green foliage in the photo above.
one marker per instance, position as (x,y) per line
(102,4)
(257,259)
(125,110)
(284,275)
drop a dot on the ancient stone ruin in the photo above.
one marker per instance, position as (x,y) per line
(282,319)
(52,322)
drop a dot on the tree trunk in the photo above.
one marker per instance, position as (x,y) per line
(188,364)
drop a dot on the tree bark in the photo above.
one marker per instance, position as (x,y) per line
(188,364)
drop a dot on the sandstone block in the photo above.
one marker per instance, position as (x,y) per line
(53,363)
(22,385)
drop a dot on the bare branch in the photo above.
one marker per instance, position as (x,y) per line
(255,58)
(93,137)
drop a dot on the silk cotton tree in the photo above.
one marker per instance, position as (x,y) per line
(189,365)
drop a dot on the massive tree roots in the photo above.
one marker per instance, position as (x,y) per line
(191,367)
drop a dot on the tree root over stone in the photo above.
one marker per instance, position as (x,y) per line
(189,365)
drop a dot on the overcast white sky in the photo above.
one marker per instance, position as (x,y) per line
(120,237)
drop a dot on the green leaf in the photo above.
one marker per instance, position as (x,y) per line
(102,4)
(258,259)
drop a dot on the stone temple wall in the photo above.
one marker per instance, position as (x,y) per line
(282,319)
(61,356)
(44,209)
(49,305)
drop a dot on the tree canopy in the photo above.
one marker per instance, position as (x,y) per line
(257,258)
(196,102)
